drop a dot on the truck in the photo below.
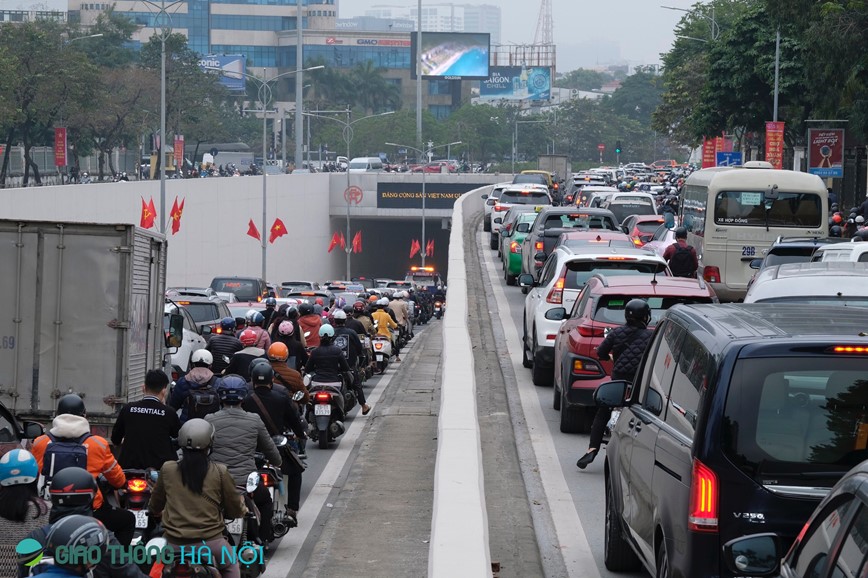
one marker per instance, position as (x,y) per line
(559,164)
(82,312)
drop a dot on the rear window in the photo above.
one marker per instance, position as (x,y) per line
(530,178)
(797,420)
(850,301)
(578,272)
(648,226)
(624,210)
(579,221)
(748,208)
(613,243)
(610,309)
(244,289)
(525,198)
(201,312)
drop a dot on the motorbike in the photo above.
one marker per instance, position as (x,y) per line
(251,559)
(439,307)
(134,497)
(272,478)
(382,352)
(367,357)
(329,404)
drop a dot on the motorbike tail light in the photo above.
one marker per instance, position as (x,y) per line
(322,397)
(711,274)
(378,346)
(267,480)
(703,499)
(137,485)
(514,247)
(556,295)
(591,331)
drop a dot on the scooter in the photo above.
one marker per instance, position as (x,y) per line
(439,306)
(272,478)
(251,556)
(328,407)
(382,352)
(135,496)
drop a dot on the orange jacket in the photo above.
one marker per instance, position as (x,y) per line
(100,459)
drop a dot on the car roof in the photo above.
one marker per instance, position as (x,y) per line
(648,218)
(597,234)
(656,285)
(184,298)
(571,209)
(813,269)
(521,187)
(590,252)
(844,247)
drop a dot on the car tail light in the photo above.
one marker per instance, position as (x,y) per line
(703,499)
(638,242)
(860,349)
(514,247)
(137,485)
(218,330)
(500,208)
(615,258)
(539,246)
(322,397)
(591,331)
(711,274)
(586,367)
(556,295)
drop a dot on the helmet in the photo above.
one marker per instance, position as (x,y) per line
(254,362)
(278,351)
(836,218)
(326,331)
(262,373)
(258,319)
(340,302)
(637,311)
(373,299)
(76,532)
(18,466)
(292,312)
(270,302)
(227,324)
(835,231)
(72,487)
(305,309)
(247,337)
(198,434)
(70,404)
(860,219)
(348,309)
(249,315)
(318,301)
(359,306)
(231,389)
(202,358)
(680,233)
(339,315)
(383,302)
(286,328)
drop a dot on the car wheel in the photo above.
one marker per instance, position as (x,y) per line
(510,279)
(556,400)
(540,375)
(617,553)
(492,243)
(663,569)
(526,360)
(524,290)
(486,224)
(574,420)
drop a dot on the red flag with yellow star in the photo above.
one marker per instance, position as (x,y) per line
(177,211)
(278,229)
(149,214)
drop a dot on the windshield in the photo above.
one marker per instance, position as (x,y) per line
(648,227)
(853,301)
(789,255)
(749,208)
(578,272)
(524,197)
(359,165)
(244,289)
(803,425)
(579,221)
(530,178)
(624,210)
(610,309)
(203,311)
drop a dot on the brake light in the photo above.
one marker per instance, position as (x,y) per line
(322,397)
(539,245)
(850,349)
(137,485)
(586,367)
(378,346)
(267,480)
(711,274)
(591,331)
(500,208)
(703,499)
(556,295)
(638,242)
(514,247)
(615,258)
(218,330)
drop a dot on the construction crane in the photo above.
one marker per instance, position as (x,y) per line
(544,25)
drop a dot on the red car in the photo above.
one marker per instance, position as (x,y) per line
(598,309)
(641,227)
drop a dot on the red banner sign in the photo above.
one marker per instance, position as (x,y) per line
(179,151)
(775,144)
(60,147)
(708,153)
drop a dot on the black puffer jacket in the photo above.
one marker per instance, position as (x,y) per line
(627,343)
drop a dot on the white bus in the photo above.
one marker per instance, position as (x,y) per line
(732,216)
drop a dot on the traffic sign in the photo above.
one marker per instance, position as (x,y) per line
(353,194)
(601,147)
(729,159)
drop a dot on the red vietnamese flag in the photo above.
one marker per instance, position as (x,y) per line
(415,247)
(429,248)
(149,214)
(253,231)
(177,211)
(357,242)
(334,242)
(278,229)
(343,242)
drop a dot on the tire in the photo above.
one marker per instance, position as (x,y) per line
(663,569)
(540,375)
(510,279)
(526,360)
(617,553)
(556,398)
(524,290)
(486,225)
(492,243)
(323,439)
(574,420)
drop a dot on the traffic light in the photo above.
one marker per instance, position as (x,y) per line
(618,147)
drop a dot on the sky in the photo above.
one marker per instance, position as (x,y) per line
(586,32)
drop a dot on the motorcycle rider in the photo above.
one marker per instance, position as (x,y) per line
(297,354)
(328,363)
(238,435)
(144,429)
(269,313)
(255,322)
(361,315)
(385,324)
(200,377)
(310,322)
(440,294)
(399,307)
(352,322)
(71,426)
(278,355)
(197,493)
(223,343)
(74,532)
(240,362)
(21,508)
(283,415)
(348,342)
(627,343)
(680,256)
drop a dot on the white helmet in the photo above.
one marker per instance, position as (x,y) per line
(383,302)
(202,356)
(339,314)
(249,315)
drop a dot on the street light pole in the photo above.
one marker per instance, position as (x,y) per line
(299,120)
(715,29)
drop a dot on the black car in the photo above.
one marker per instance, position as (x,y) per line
(244,288)
(205,311)
(740,419)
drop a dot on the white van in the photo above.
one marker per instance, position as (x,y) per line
(852,252)
(366,165)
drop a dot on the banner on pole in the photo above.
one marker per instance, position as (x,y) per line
(826,152)
(60,147)
(775,144)
(709,158)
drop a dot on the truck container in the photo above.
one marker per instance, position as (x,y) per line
(82,312)
(559,164)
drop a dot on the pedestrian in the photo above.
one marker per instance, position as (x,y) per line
(680,256)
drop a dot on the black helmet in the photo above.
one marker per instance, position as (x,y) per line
(262,374)
(637,312)
(71,404)
(680,233)
(835,231)
(270,302)
(254,363)
(72,487)
(305,309)
(76,532)
(348,309)
(292,312)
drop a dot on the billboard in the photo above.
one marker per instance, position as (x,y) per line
(409,195)
(775,143)
(517,83)
(826,152)
(452,55)
(232,68)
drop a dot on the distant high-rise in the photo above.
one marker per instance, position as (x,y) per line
(446,17)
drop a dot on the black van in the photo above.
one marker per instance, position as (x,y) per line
(244,288)
(741,419)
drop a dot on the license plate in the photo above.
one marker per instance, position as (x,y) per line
(322,409)
(141,518)
(380,357)
(234,527)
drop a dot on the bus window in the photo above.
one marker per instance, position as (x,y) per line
(748,208)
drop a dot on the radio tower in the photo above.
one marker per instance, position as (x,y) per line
(544,25)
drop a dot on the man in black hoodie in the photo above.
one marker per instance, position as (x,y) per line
(240,362)
(145,428)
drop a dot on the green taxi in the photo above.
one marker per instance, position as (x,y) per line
(511,245)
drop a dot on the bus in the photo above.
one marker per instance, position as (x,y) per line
(749,208)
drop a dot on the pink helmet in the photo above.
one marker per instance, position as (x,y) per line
(286,328)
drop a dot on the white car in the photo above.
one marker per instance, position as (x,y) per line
(842,252)
(491,200)
(191,342)
(660,240)
(526,194)
(562,277)
(843,283)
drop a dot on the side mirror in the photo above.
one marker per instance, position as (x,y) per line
(625,230)
(541,257)
(526,280)
(484,197)
(756,263)
(612,394)
(206,330)
(556,314)
(306,380)
(498,220)
(298,396)
(279,440)
(522,227)
(754,555)
(33,430)
(175,336)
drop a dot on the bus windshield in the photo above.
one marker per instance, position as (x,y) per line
(748,208)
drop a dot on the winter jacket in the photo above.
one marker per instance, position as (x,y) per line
(310,323)
(144,431)
(385,324)
(263,340)
(12,532)
(240,362)
(348,342)
(290,378)
(627,343)
(328,362)
(238,435)
(280,409)
(195,379)
(190,517)
(220,345)
(399,308)
(99,457)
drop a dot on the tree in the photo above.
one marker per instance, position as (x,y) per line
(638,96)
(584,79)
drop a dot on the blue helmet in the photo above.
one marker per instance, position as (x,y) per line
(227,324)
(326,331)
(270,302)
(231,389)
(18,466)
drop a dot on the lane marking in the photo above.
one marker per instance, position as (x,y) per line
(572,541)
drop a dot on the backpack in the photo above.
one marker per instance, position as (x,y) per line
(681,263)
(62,453)
(202,401)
